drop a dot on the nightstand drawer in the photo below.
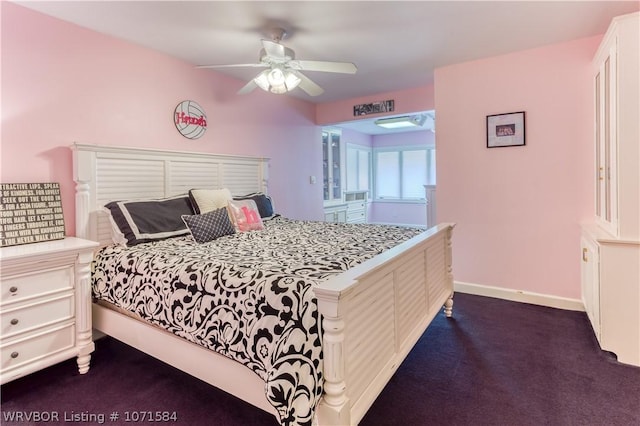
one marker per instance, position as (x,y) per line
(38,346)
(22,287)
(28,317)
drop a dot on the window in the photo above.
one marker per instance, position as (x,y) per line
(401,173)
(358,168)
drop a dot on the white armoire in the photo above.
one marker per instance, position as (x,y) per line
(611,242)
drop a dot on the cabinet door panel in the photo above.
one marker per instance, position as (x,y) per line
(599,149)
(606,142)
(591,283)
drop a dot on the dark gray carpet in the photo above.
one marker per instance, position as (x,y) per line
(495,363)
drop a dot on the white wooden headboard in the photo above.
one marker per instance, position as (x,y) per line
(104,173)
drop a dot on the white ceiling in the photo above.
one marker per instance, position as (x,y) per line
(396,45)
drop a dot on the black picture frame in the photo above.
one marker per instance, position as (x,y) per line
(504,130)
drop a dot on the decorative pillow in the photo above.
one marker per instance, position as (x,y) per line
(264,203)
(209,226)
(244,215)
(206,200)
(149,220)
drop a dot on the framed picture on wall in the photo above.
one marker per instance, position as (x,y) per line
(505,130)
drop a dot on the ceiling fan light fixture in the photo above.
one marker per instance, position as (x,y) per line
(291,80)
(278,90)
(276,77)
(283,72)
(262,81)
(277,81)
(401,122)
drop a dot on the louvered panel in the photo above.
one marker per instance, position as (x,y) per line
(130,194)
(241,178)
(144,191)
(108,176)
(140,183)
(186,175)
(436,274)
(122,179)
(373,355)
(369,335)
(411,294)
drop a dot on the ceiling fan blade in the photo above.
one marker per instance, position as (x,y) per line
(232,66)
(308,85)
(324,66)
(247,87)
(273,49)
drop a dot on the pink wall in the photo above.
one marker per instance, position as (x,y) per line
(405,101)
(63,84)
(518,209)
(354,137)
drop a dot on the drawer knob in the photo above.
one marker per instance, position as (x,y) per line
(14,321)
(13,289)
(14,354)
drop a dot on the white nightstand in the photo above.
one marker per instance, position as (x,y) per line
(45,306)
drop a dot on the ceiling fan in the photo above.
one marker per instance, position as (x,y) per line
(283,70)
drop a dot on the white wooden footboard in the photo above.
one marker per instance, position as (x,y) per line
(372,317)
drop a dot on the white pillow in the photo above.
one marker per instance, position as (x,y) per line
(208,200)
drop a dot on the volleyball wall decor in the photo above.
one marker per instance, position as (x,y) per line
(190,119)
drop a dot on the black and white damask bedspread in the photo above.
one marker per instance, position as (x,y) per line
(247,296)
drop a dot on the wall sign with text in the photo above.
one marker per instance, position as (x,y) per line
(190,119)
(373,108)
(30,213)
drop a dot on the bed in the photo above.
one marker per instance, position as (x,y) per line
(371,313)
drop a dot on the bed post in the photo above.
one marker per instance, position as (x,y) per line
(264,183)
(334,407)
(82,176)
(82,209)
(448,304)
(83,311)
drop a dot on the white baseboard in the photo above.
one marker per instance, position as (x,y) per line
(519,296)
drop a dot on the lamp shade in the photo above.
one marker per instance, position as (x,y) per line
(277,80)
